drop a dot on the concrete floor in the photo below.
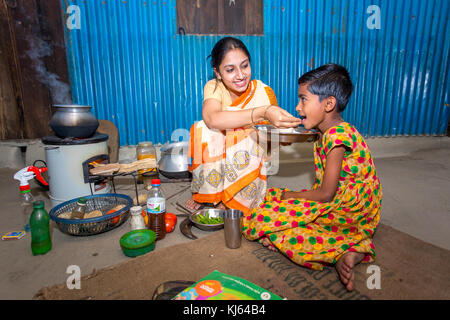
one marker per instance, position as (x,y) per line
(414,172)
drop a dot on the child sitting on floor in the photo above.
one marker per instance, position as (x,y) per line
(334,221)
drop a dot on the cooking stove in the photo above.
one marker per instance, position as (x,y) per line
(55,140)
(69,161)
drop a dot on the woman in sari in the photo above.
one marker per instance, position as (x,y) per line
(226,161)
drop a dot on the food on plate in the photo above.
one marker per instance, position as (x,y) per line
(208,220)
(287,130)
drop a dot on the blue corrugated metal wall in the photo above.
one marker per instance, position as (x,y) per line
(129,63)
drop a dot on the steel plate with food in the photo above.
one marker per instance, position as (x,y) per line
(290,135)
(208,219)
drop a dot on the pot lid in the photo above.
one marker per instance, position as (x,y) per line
(175,148)
(137,239)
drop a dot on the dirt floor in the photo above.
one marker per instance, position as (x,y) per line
(415,186)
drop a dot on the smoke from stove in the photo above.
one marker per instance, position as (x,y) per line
(59,90)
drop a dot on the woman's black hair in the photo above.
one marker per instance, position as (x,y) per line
(329,80)
(222,47)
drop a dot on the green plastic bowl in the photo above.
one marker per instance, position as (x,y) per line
(138,242)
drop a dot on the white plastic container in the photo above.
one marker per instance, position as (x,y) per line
(137,221)
(66,174)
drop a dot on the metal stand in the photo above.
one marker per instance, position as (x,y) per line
(134,174)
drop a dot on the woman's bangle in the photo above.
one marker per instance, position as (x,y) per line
(253,109)
(267,108)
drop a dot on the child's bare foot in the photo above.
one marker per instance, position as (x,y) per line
(345,265)
(266,243)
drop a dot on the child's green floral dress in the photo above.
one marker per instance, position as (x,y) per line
(313,233)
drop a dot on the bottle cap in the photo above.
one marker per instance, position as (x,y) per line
(38,204)
(136,210)
(156,182)
(25,188)
(145,144)
(82,200)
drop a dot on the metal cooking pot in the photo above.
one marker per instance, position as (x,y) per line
(173,162)
(72,120)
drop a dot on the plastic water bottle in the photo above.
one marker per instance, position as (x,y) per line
(27,209)
(156,210)
(41,241)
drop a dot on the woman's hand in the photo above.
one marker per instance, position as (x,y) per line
(280,118)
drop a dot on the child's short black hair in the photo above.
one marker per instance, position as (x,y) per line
(329,80)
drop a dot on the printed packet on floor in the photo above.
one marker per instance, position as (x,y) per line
(13,235)
(221,286)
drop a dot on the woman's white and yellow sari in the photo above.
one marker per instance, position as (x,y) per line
(228,166)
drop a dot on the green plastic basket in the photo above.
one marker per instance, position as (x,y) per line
(138,242)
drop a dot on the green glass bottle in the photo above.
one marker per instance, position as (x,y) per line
(41,241)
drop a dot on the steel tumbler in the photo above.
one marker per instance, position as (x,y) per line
(233,228)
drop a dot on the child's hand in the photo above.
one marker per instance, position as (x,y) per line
(287,195)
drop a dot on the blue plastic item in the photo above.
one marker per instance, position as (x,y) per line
(91,226)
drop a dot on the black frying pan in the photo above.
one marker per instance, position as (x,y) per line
(176,175)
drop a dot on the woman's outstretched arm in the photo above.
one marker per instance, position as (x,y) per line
(215,118)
